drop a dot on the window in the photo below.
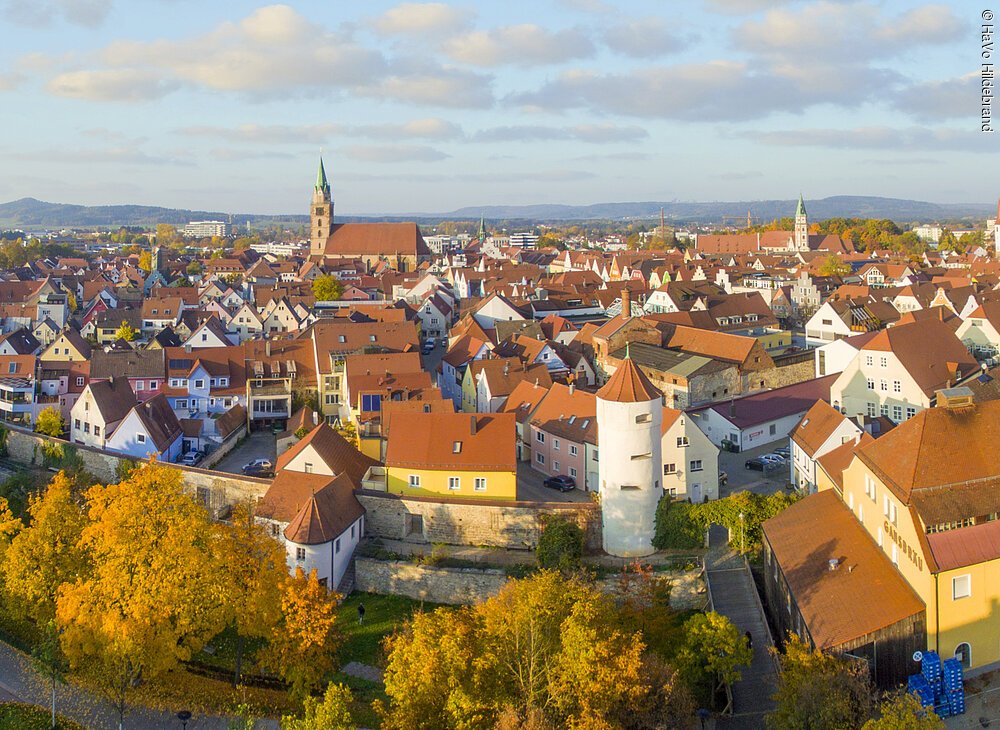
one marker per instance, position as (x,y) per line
(308,468)
(883,362)
(86,427)
(182,404)
(593,457)
(480,485)
(897,413)
(682,441)
(644,418)
(200,383)
(274,529)
(555,444)
(911,411)
(76,423)
(696,465)
(540,458)
(141,438)
(573,450)
(895,554)
(871,384)
(79,380)
(97,430)
(669,469)
(963,652)
(897,387)
(572,472)
(871,409)
(639,457)
(869,360)
(414,481)
(371,403)
(300,554)
(539,437)
(961,587)
(140,385)
(555,466)
(454,482)
(773,429)
(883,386)
(336,546)
(352,532)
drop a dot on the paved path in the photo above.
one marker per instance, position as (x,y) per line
(20,682)
(363,671)
(734,595)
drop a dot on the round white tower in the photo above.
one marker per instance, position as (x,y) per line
(629,416)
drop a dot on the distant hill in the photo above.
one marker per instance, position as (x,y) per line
(838,206)
(32,214)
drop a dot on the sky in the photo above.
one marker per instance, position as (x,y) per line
(429,107)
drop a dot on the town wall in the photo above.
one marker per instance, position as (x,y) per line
(427,583)
(513,525)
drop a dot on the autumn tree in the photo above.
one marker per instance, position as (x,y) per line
(330,713)
(50,422)
(166,234)
(46,554)
(903,711)
(255,567)
(194,268)
(126,332)
(9,527)
(303,645)
(714,650)
(155,592)
(833,265)
(820,691)
(327,288)
(146,261)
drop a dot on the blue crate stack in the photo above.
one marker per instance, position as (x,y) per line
(939,685)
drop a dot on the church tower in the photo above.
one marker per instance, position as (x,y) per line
(321,213)
(801,227)
(629,416)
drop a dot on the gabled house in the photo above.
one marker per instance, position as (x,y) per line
(822,429)
(211,333)
(99,411)
(69,346)
(690,459)
(150,428)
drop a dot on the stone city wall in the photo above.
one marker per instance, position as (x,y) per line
(427,583)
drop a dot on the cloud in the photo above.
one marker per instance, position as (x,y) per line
(430,128)
(109,155)
(922,139)
(421,19)
(111,85)
(10,81)
(41,13)
(230,154)
(394,153)
(519,45)
(597,7)
(476,177)
(595,133)
(642,38)
(936,100)
(446,87)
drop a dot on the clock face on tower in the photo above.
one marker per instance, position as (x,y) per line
(319,211)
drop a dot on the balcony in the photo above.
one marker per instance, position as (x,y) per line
(375,479)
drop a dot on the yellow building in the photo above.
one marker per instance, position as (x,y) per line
(69,346)
(924,496)
(452,455)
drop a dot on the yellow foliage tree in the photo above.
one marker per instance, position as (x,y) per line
(146,261)
(9,527)
(330,713)
(50,422)
(303,646)
(156,592)
(45,555)
(255,566)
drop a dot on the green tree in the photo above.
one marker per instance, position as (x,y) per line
(820,691)
(742,514)
(126,332)
(330,713)
(50,422)
(560,546)
(713,650)
(676,526)
(194,268)
(902,711)
(327,288)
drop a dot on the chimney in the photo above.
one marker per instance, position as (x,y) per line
(506,369)
(626,303)
(833,563)
(267,348)
(472,425)
(572,387)
(187,347)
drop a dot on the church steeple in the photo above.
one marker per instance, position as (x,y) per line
(482,229)
(320,213)
(801,227)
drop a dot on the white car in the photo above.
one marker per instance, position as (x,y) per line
(191,458)
(774,458)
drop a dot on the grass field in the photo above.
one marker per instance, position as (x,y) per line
(363,642)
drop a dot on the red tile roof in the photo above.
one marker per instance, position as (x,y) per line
(629,385)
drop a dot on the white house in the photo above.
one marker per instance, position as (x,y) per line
(690,459)
(246,322)
(150,429)
(834,357)
(99,410)
(822,429)
(980,331)
(212,333)
(318,520)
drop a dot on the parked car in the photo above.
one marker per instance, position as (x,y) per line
(561,482)
(444,342)
(784,452)
(774,458)
(756,464)
(428,347)
(191,458)
(259,468)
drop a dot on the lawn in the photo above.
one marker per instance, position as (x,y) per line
(363,642)
(16,716)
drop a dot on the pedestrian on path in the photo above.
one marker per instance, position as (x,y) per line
(361,613)
(749,637)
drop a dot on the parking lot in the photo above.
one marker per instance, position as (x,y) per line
(530,489)
(741,478)
(259,445)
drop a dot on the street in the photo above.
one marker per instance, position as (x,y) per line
(530,489)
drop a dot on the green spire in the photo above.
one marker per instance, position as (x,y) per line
(482,229)
(801,209)
(321,182)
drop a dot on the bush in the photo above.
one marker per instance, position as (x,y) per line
(28,717)
(560,546)
(676,526)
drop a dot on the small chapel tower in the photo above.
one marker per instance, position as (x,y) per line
(321,213)
(801,227)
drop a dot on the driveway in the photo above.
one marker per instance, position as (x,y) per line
(743,479)
(259,445)
(530,489)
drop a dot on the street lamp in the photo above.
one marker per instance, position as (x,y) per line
(741,533)
(184,716)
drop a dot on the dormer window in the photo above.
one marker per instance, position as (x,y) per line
(456,447)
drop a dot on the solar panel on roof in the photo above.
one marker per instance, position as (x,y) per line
(180,364)
(984,378)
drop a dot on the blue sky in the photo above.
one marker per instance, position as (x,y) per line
(435,106)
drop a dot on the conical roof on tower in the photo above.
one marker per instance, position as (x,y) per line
(322,184)
(801,208)
(629,385)
(482,229)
